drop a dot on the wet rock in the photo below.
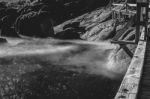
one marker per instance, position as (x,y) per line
(7,29)
(72,25)
(3,4)
(98,32)
(69,33)
(2,40)
(7,20)
(105,34)
(35,24)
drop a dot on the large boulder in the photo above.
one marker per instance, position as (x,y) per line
(3,4)
(2,40)
(34,24)
(7,20)
(71,30)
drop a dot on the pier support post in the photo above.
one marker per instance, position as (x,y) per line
(126,49)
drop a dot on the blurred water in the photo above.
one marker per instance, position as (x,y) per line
(99,58)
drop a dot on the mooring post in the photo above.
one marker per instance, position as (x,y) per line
(146,20)
(138,14)
(142,18)
(127,50)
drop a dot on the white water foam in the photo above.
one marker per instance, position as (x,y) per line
(98,58)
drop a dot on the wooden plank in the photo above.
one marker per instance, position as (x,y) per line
(140,50)
(128,12)
(131,5)
(126,49)
(125,12)
(123,42)
(130,84)
(137,62)
(118,4)
(135,69)
(142,1)
(137,25)
(126,96)
(143,34)
(117,9)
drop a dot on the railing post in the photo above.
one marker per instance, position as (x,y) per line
(146,20)
(138,14)
(142,18)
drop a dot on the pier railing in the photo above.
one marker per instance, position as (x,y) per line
(130,84)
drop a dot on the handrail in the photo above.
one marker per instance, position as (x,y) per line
(123,5)
(130,84)
(131,5)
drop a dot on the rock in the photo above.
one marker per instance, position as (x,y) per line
(2,4)
(68,34)
(71,25)
(96,32)
(7,20)
(105,34)
(3,40)
(35,24)
(2,11)
(6,28)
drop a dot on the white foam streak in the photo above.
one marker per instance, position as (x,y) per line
(100,59)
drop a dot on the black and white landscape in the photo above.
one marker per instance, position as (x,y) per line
(61,49)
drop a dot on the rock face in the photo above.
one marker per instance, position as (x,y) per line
(71,31)
(7,19)
(28,21)
(98,25)
(59,12)
(35,24)
(63,10)
(3,40)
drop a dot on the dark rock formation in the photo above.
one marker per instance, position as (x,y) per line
(24,10)
(72,25)
(3,40)
(59,11)
(35,24)
(63,10)
(30,20)
(69,33)
(3,5)
(7,21)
